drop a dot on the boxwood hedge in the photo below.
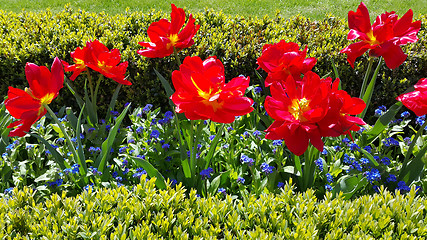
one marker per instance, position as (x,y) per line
(237,41)
(147,213)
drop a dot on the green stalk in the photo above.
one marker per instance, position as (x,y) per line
(175,53)
(412,145)
(89,77)
(70,144)
(365,79)
(370,90)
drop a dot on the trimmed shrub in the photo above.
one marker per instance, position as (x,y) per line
(147,213)
(237,41)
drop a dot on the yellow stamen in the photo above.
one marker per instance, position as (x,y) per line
(298,108)
(210,97)
(46,99)
(173,40)
(372,38)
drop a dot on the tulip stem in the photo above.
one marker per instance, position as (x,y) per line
(90,85)
(67,137)
(412,145)
(365,79)
(175,53)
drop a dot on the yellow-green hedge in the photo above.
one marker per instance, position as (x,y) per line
(235,40)
(147,213)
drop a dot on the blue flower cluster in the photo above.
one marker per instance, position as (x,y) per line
(246,160)
(267,169)
(206,173)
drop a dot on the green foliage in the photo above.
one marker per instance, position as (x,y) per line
(237,41)
(173,213)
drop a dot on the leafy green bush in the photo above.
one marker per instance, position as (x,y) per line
(235,40)
(147,213)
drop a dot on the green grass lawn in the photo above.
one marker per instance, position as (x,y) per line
(315,9)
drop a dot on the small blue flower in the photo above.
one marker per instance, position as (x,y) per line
(388,142)
(328,187)
(267,169)
(337,148)
(165,146)
(329,177)
(319,164)
(391,178)
(403,187)
(147,108)
(368,149)
(407,140)
(222,191)
(382,108)
(373,175)
(125,162)
(245,159)
(364,161)
(378,113)
(405,114)
(420,120)
(346,140)
(240,180)
(230,129)
(257,133)
(354,146)
(60,140)
(206,173)
(280,184)
(168,158)
(107,127)
(277,142)
(155,133)
(324,152)
(258,90)
(8,190)
(122,149)
(114,113)
(357,166)
(385,161)
(211,137)
(168,115)
(119,179)
(139,129)
(347,159)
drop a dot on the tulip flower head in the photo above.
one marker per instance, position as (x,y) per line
(284,59)
(307,111)
(28,105)
(416,100)
(98,57)
(296,110)
(201,92)
(165,35)
(338,120)
(383,38)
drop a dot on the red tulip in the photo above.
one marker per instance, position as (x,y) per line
(338,120)
(98,57)
(28,105)
(383,38)
(79,65)
(201,91)
(416,100)
(296,111)
(284,59)
(165,35)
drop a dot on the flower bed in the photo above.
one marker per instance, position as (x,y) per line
(228,139)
